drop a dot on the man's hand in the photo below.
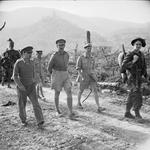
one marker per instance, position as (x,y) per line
(124,77)
(135,58)
(82,78)
(50,78)
(93,76)
(42,80)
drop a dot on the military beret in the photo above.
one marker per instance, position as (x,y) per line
(40,51)
(27,49)
(60,40)
(87,45)
(139,39)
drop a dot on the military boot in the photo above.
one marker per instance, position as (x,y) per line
(137,114)
(2,82)
(129,115)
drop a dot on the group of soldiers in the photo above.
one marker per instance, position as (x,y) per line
(7,61)
(27,75)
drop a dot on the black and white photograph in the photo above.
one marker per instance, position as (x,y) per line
(74,75)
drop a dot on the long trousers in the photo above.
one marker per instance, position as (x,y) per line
(134,100)
(22,100)
(135,95)
(6,74)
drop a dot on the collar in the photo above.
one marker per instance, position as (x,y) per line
(137,51)
(86,55)
(61,53)
(26,62)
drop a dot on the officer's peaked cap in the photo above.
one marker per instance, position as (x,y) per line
(27,49)
(87,45)
(60,40)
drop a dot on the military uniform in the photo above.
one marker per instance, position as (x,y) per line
(87,66)
(14,55)
(7,67)
(87,76)
(58,69)
(136,71)
(9,62)
(23,75)
(38,70)
(39,77)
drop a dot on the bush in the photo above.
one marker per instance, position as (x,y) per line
(102,76)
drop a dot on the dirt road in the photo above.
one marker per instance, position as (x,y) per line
(90,131)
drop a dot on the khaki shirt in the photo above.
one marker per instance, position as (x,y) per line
(38,66)
(58,61)
(86,65)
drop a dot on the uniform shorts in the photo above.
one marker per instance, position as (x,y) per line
(86,83)
(38,79)
(61,79)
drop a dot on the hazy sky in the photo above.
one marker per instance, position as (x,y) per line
(131,10)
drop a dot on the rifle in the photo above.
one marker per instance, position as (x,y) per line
(120,60)
(123,49)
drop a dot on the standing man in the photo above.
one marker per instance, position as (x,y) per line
(134,62)
(87,76)
(6,69)
(59,75)
(13,55)
(23,75)
(39,75)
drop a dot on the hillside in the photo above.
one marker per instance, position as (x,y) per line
(125,36)
(43,34)
(30,15)
(40,27)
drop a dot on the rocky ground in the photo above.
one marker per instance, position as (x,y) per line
(90,131)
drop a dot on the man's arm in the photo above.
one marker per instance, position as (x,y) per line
(50,66)
(127,62)
(79,66)
(15,76)
(42,73)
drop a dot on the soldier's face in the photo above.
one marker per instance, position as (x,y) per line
(88,49)
(138,45)
(27,55)
(61,45)
(39,55)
